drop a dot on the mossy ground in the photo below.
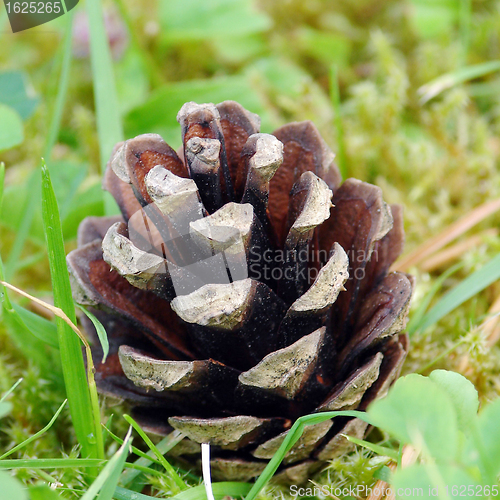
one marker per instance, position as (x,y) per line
(440,159)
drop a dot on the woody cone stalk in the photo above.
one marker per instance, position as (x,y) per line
(243,286)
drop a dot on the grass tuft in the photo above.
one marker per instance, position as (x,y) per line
(109,123)
(85,417)
(168,467)
(36,435)
(468,288)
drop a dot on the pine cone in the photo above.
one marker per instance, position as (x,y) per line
(242,287)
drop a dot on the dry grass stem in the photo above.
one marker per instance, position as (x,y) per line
(381,488)
(41,311)
(56,310)
(379,491)
(446,256)
(491,325)
(409,457)
(447,236)
(60,314)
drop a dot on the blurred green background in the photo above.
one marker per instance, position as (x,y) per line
(276,58)
(367,72)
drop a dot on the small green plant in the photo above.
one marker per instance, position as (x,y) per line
(458,447)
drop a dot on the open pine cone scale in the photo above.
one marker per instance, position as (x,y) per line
(242,287)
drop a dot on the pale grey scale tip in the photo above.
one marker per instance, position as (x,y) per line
(285,371)
(228,432)
(386,223)
(327,285)
(151,373)
(171,193)
(119,164)
(349,396)
(268,155)
(205,150)
(222,306)
(235,469)
(230,225)
(317,205)
(339,444)
(192,107)
(305,445)
(163,182)
(121,254)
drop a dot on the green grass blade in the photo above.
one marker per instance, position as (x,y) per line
(335,98)
(5,408)
(67,463)
(41,328)
(2,180)
(10,391)
(144,470)
(105,484)
(109,122)
(465,15)
(62,89)
(220,490)
(379,450)
(469,287)
(135,450)
(140,465)
(50,463)
(164,446)
(148,61)
(172,472)
(115,469)
(224,489)
(28,211)
(292,437)
(124,494)
(36,435)
(88,431)
(32,348)
(32,201)
(101,332)
(449,80)
(419,314)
